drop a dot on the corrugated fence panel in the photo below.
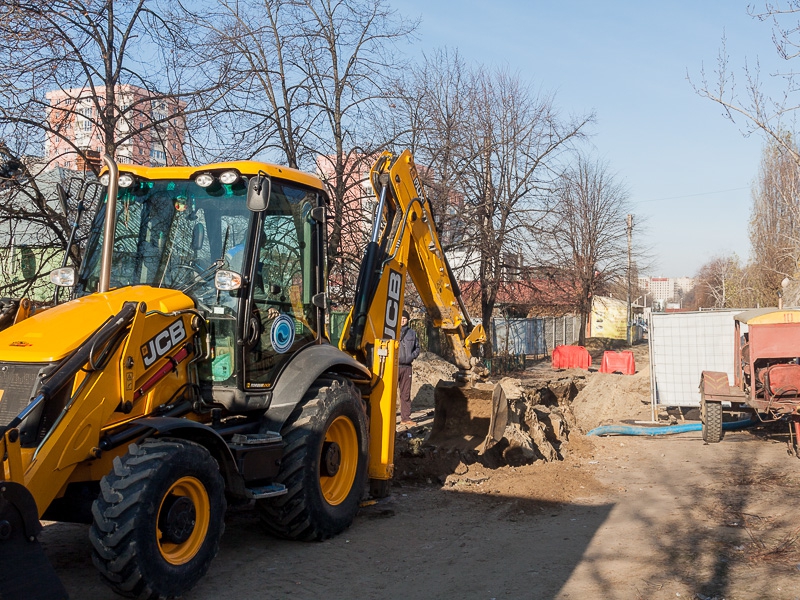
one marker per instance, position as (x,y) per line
(518,336)
(682,346)
(560,331)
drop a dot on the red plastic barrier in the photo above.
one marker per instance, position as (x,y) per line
(571,357)
(618,362)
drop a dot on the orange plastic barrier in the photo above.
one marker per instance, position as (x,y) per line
(618,362)
(571,357)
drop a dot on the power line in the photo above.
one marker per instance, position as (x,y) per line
(692,195)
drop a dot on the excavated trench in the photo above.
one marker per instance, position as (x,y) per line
(539,417)
(509,423)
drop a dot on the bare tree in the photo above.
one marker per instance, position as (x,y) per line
(775,221)
(267,111)
(722,282)
(495,148)
(65,59)
(768,106)
(748,101)
(67,67)
(584,244)
(316,75)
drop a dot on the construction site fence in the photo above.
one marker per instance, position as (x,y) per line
(513,340)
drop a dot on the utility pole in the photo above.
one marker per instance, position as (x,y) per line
(630,315)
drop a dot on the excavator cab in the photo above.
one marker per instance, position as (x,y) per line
(252,274)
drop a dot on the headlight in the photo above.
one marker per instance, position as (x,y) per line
(227,281)
(126,180)
(204,180)
(104,179)
(229,177)
(63,277)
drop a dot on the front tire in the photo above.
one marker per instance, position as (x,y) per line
(712,421)
(158,519)
(324,466)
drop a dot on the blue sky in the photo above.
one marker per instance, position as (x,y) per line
(689,170)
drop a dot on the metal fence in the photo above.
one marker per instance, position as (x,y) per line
(518,337)
(682,346)
(510,337)
(560,331)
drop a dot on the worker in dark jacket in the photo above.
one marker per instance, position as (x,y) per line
(407,352)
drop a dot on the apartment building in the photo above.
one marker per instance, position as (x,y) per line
(663,289)
(74,115)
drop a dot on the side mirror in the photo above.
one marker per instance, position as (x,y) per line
(258,191)
(198,237)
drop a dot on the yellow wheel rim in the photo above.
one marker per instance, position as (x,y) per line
(335,488)
(183,519)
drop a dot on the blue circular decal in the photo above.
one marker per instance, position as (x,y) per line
(281,334)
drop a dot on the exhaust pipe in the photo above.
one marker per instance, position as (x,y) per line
(110,224)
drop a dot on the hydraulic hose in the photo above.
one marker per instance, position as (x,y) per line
(670,429)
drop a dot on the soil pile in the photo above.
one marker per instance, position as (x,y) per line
(611,398)
(428,369)
(513,422)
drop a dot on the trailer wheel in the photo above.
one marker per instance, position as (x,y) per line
(324,466)
(158,519)
(712,421)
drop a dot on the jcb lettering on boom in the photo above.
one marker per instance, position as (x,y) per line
(163,342)
(417,185)
(392,305)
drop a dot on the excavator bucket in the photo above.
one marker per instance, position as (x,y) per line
(25,571)
(468,417)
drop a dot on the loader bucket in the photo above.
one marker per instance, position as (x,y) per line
(25,571)
(468,417)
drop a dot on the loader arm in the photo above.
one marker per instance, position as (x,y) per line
(404,242)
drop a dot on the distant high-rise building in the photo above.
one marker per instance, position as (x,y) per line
(665,289)
(73,114)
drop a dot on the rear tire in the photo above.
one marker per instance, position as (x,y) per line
(158,519)
(712,421)
(324,465)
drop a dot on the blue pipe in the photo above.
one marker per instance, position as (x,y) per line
(670,429)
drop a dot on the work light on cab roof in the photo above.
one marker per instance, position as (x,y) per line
(126,180)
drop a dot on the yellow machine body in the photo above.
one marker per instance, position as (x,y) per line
(96,402)
(93,388)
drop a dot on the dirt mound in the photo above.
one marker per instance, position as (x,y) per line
(596,346)
(611,398)
(533,425)
(428,369)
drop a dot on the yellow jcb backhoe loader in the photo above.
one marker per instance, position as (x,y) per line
(191,368)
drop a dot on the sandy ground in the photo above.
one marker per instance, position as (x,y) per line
(632,517)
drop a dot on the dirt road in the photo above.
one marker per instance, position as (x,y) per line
(663,518)
(619,518)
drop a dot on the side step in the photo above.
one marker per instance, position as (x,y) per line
(258,458)
(267,491)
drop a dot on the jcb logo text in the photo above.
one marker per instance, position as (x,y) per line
(392,305)
(163,342)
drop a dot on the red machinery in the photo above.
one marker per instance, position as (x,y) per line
(766,373)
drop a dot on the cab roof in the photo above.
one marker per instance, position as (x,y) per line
(769,316)
(245,167)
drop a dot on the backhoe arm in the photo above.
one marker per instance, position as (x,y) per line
(404,241)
